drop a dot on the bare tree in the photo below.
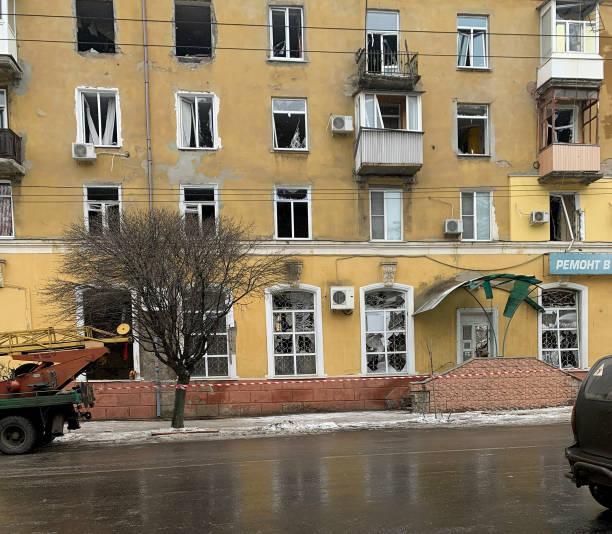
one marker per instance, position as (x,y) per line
(183,279)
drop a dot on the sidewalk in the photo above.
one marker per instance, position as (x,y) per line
(317,423)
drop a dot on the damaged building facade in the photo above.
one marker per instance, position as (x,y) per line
(401,161)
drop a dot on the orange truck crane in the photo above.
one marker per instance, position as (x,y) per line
(34,402)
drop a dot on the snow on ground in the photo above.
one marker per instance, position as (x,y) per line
(282,425)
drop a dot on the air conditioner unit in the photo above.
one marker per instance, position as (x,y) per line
(342,298)
(83,152)
(453,226)
(341,123)
(539,217)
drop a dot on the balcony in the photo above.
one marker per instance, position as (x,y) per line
(385,152)
(395,71)
(582,70)
(570,163)
(11,160)
(9,66)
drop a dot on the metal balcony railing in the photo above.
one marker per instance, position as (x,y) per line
(10,145)
(396,66)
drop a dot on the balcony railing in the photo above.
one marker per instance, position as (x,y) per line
(387,70)
(11,159)
(570,163)
(388,152)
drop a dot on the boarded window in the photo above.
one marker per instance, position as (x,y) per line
(6,210)
(193,28)
(95,26)
(292,213)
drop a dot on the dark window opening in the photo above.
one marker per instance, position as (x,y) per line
(290,130)
(200,209)
(100,118)
(472,129)
(106,311)
(193,28)
(95,26)
(564,218)
(103,209)
(287,33)
(292,213)
(197,129)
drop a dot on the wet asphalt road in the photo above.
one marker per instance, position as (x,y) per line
(482,480)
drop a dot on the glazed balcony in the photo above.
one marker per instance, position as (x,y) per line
(9,65)
(570,163)
(11,159)
(395,71)
(385,152)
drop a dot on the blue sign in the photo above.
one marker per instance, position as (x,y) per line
(577,263)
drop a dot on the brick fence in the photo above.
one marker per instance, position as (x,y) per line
(341,394)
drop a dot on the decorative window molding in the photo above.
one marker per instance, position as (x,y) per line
(384,325)
(98,116)
(283,324)
(197,121)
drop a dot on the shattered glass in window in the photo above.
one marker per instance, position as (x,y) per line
(293,300)
(306,365)
(283,344)
(384,299)
(558,298)
(559,337)
(283,365)
(376,363)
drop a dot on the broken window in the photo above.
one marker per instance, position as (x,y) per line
(286,33)
(98,117)
(292,213)
(386,331)
(560,337)
(102,209)
(294,333)
(386,215)
(95,26)
(472,41)
(6,210)
(564,217)
(106,311)
(3,109)
(473,129)
(290,123)
(193,28)
(199,207)
(197,128)
(577,26)
(396,112)
(476,215)
(382,34)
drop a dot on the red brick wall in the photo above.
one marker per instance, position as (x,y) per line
(505,392)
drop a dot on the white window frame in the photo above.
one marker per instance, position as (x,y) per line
(471,41)
(215,203)
(409,300)
(305,113)
(487,141)
(105,203)
(385,191)
(79,103)
(382,33)
(574,126)
(231,353)
(286,9)
(308,200)
(179,119)
(583,319)
(4,115)
(475,216)
(12,236)
(567,215)
(361,107)
(491,316)
(316,291)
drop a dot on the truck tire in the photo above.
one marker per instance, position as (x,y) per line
(602,494)
(17,435)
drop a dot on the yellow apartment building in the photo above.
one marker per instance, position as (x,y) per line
(395,149)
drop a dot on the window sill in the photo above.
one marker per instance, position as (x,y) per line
(476,240)
(95,53)
(294,377)
(285,60)
(387,241)
(475,156)
(105,147)
(291,150)
(6,237)
(293,239)
(193,148)
(194,59)
(474,69)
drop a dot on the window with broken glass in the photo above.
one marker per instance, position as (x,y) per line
(385,324)
(216,360)
(564,217)
(3,109)
(473,129)
(6,210)
(102,209)
(286,33)
(393,112)
(476,215)
(577,26)
(199,206)
(193,28)
(560,328)
(386,215)
(294,333)
(382,37)
(292,213)
(472,41)
(95,26)
(290,126)
(197,128)
(98,120)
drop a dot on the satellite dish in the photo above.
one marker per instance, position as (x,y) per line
(123,329)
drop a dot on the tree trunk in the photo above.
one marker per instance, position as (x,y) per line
(178,417)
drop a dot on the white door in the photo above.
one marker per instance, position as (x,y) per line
(477,332)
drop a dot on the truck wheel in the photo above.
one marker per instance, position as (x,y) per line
(17,435)
(602,494)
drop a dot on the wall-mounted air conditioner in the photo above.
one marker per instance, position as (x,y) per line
(83,152)
(453,226)
(341,123)
(539,217)
(342,298)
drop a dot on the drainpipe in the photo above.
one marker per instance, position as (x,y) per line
(147,106)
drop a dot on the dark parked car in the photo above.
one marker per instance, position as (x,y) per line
(590,457)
